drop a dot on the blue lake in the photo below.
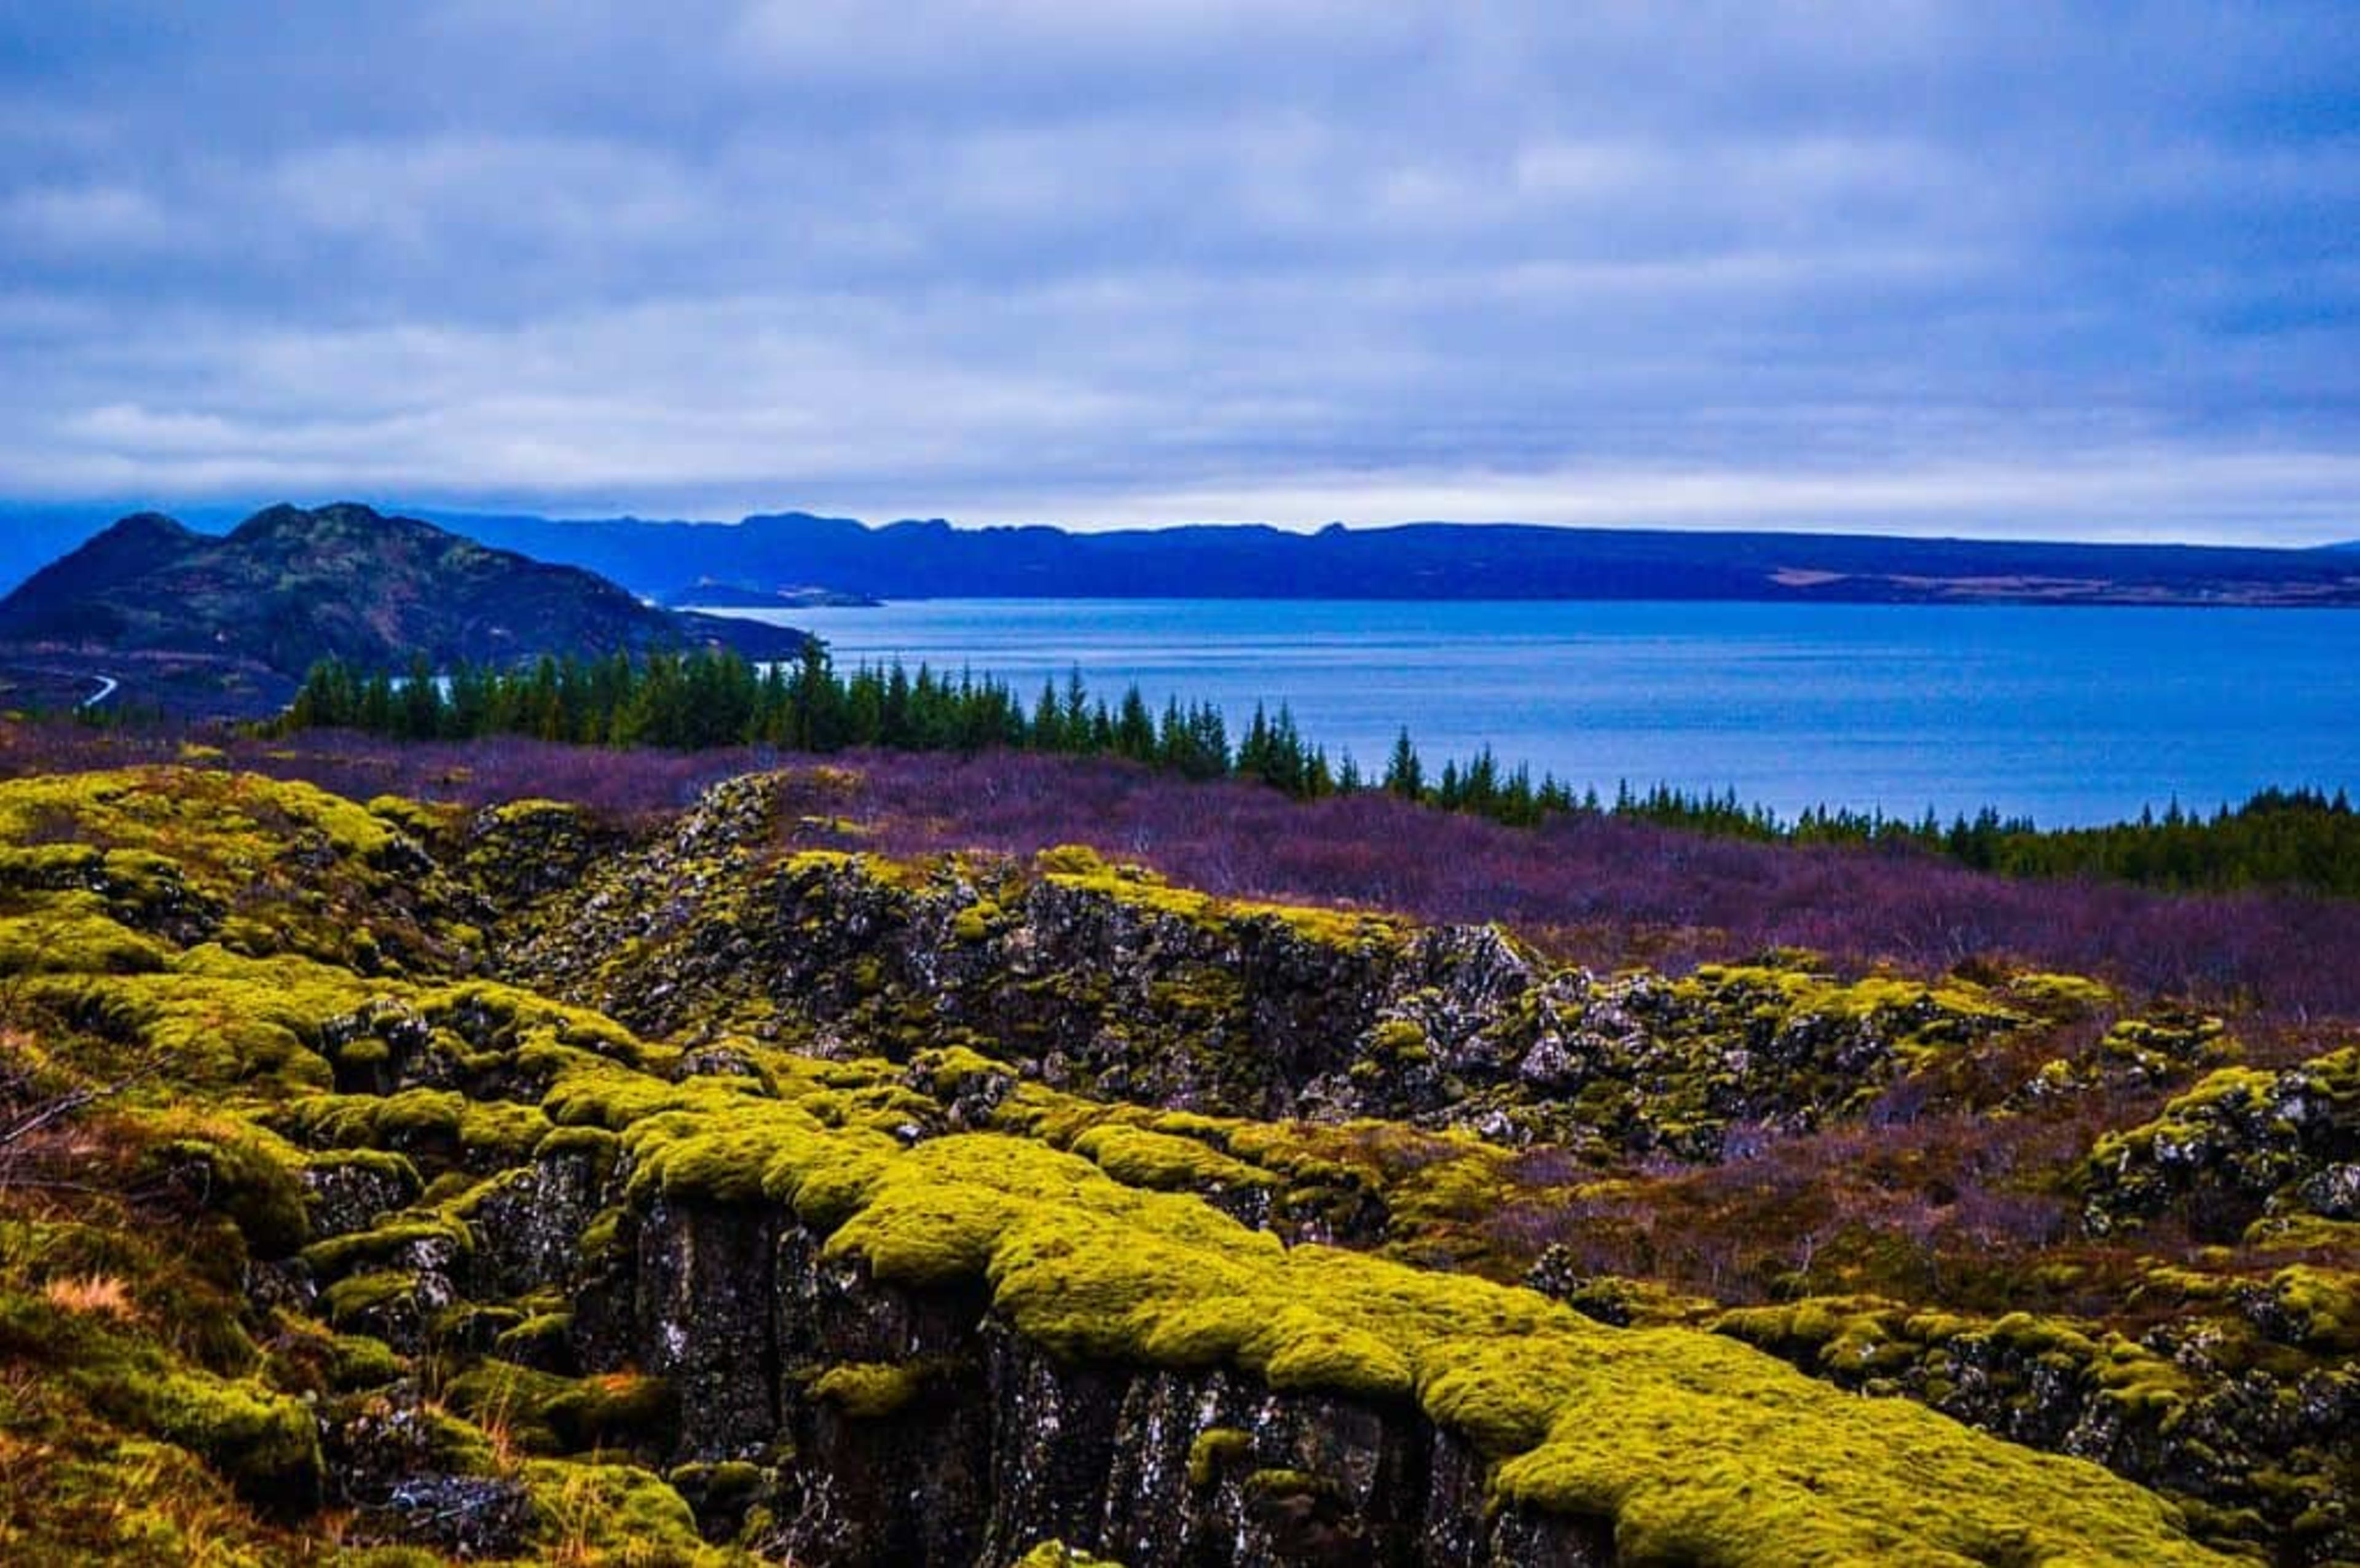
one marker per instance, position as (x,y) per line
(2072,716)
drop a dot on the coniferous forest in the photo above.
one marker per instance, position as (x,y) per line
(706,698)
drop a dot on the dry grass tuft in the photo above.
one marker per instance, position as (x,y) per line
(100,1294)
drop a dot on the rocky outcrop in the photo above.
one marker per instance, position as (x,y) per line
(926,1430)
(1104,980)
(2242,1142)
(2215,1410)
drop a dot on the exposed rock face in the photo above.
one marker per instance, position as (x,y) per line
(987,1444)
(1105,981)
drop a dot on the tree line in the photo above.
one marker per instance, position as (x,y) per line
(706,698)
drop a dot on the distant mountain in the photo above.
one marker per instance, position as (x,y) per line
(33,535)
(1420,561)
(288,586)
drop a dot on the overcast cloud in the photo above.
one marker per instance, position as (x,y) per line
(1903,265)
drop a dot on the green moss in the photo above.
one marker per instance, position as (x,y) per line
(2244,1134)
(238,818)
(2304,1233)
(540,1334)
(944,1069)
(872,1390)
(239,1169)
(594,1144)
(1399,1042)
(1313,1351)
(761,1150)
(549,1414)
(728,1480)
(1138,1157)
(2322,1303)
(1923,1025)
(603,1513)
(264,1443)
(591,1092)
(418,818)
(1217,1449)
(1143,890)
(213,1020)
(386,1244)
(396,1168)
(485,1134)
(1071,860)
(1669,1432)
(599,1238)
(2061,995)
(1492,1395)
(349,1299)
(72,932)
(1689,1475)
(1279,1482)
(1864,1341)
(360,1362)
(977,923)
(1058,1554)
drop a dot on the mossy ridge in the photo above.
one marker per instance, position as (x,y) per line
(231,820)
(437,1128)
(212,1019)
(1143,1157)
(1678,1437)
(1782,1043)
(259,865)
(1414,1193)
(1076,867)
(2312,1306)
(2165,1048)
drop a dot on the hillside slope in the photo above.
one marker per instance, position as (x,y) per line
(930,1211)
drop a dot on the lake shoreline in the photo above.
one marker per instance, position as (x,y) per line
(2071,720)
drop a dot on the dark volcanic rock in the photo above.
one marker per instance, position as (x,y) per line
(991,1445)
(1102,980)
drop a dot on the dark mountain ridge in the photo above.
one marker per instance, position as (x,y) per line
(289,587)
(762,555)
(932,559)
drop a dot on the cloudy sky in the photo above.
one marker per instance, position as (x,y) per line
(2036,269)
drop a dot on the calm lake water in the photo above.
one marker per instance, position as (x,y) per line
(2070,716)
